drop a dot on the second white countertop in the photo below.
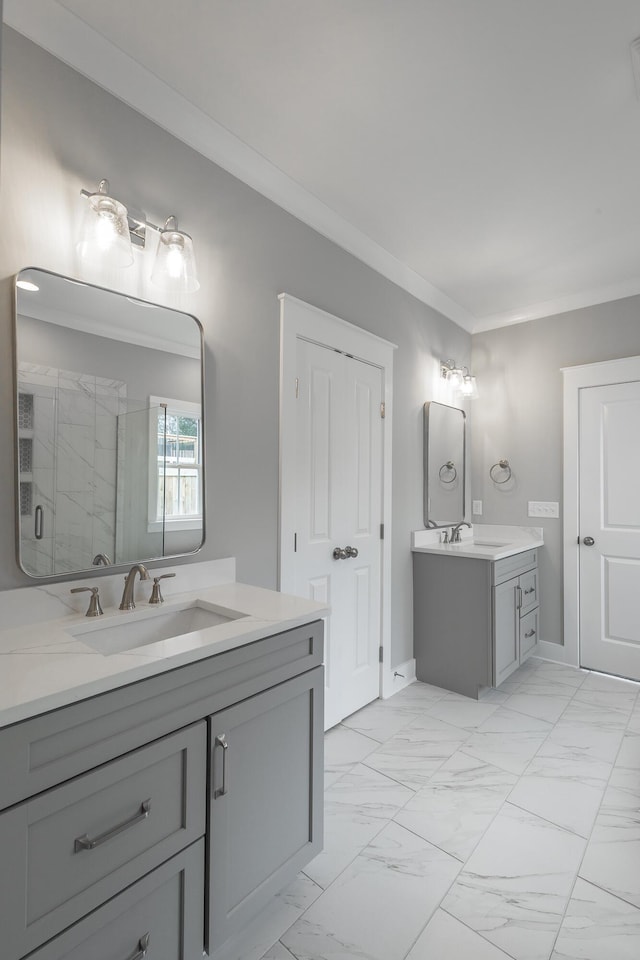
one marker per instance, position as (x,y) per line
(482,542)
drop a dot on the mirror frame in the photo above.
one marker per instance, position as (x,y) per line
(426,410)
(123,566)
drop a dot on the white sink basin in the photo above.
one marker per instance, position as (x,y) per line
(148,626)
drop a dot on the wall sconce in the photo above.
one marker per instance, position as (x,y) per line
(110,231)
(460,378)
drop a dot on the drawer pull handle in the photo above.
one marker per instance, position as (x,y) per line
(86,843)
(531,633)
(142,948)
(221,741)
(519,604)
(530,590)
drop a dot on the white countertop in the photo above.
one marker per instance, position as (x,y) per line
(43,666)
(482,542)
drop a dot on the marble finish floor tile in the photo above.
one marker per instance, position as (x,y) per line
(445,938)
(278,952)
(566,792)
(343,749)
(379,905)
(419,694)
(611,716)
(538,701)
(414,754)
(357,806)
(508,740)
(263,932)
(598,926)
(571,740)
(517,882)
(612,860)
(382,719)
(629,753)
(458,804)
(463,712)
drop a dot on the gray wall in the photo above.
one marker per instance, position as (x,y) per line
(62,133)
(519,416)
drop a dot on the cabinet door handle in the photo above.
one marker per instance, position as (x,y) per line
(86,843)
(142,948)
(530,590)
(39,523)
(221,741)
(531,633)
(519,604)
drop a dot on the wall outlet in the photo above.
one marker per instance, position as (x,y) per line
(476,508)
(544,508)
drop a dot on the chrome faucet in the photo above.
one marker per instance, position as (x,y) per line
(455,531)
(127,602)
(101,558)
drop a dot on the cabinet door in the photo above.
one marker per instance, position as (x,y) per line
(506,656)
(266,794)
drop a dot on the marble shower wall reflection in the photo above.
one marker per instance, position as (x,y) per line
(72,467)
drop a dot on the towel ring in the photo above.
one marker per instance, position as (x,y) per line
(502,465)
(450,467)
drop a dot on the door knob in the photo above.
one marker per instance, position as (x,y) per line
(588,541)
(340,554)
(351,551)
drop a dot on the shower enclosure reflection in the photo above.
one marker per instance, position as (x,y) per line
(109,428)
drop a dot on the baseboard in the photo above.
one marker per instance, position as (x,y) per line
(399,677)
(556,652)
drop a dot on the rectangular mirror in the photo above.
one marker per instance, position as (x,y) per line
(109,427)
(444,464)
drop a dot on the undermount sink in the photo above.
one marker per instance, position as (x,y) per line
(472,542)
(144,627)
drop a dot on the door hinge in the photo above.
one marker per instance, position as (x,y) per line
(379,654)
(382,531)
(295,543)
(297,388)
(382,410)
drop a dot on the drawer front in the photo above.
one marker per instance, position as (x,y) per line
(47,750)
(514,566)
(163,912)
(528,634)
(529,587)
(72,848)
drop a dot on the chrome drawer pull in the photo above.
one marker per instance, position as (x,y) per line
(519,602)
(221,741)
(530,590)
(530,634)
(86,843)
(143,947)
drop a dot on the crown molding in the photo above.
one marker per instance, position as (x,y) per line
(71,40)
(548,308)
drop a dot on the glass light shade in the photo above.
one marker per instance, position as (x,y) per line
(469,387)
(105,237)
(175,263)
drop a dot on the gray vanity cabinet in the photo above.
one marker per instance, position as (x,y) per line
(265,803)
(474,620)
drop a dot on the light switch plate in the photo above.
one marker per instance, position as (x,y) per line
(544,508)
(476,508)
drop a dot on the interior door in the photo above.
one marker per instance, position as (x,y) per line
(338,515)
(610,528)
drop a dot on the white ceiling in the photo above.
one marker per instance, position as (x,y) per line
(484,155)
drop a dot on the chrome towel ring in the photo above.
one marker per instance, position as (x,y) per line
(448,467)
(501,465)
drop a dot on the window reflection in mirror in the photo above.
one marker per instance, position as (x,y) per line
(444,464)
(93,369)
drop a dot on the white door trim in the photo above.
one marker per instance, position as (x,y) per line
(576,379)
(311,323)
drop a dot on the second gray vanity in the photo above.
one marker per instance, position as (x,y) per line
(475,609)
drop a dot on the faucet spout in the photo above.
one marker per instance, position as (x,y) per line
(127,602)
(455,531)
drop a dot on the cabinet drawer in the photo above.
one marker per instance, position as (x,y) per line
(68,850)
(528,633)
(529,588)
(514,566)
(163,911)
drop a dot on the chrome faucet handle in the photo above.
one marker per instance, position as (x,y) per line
(94,610)
(444,536)
(156,595)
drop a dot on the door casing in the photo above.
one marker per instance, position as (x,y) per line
(576,379)
(302,320)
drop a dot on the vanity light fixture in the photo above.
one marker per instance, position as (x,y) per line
(110,231)
(460,378)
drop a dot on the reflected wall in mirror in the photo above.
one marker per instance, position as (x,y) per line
(444,464)
(109,412)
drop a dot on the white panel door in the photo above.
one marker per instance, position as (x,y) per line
(610,516)
(339,506)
